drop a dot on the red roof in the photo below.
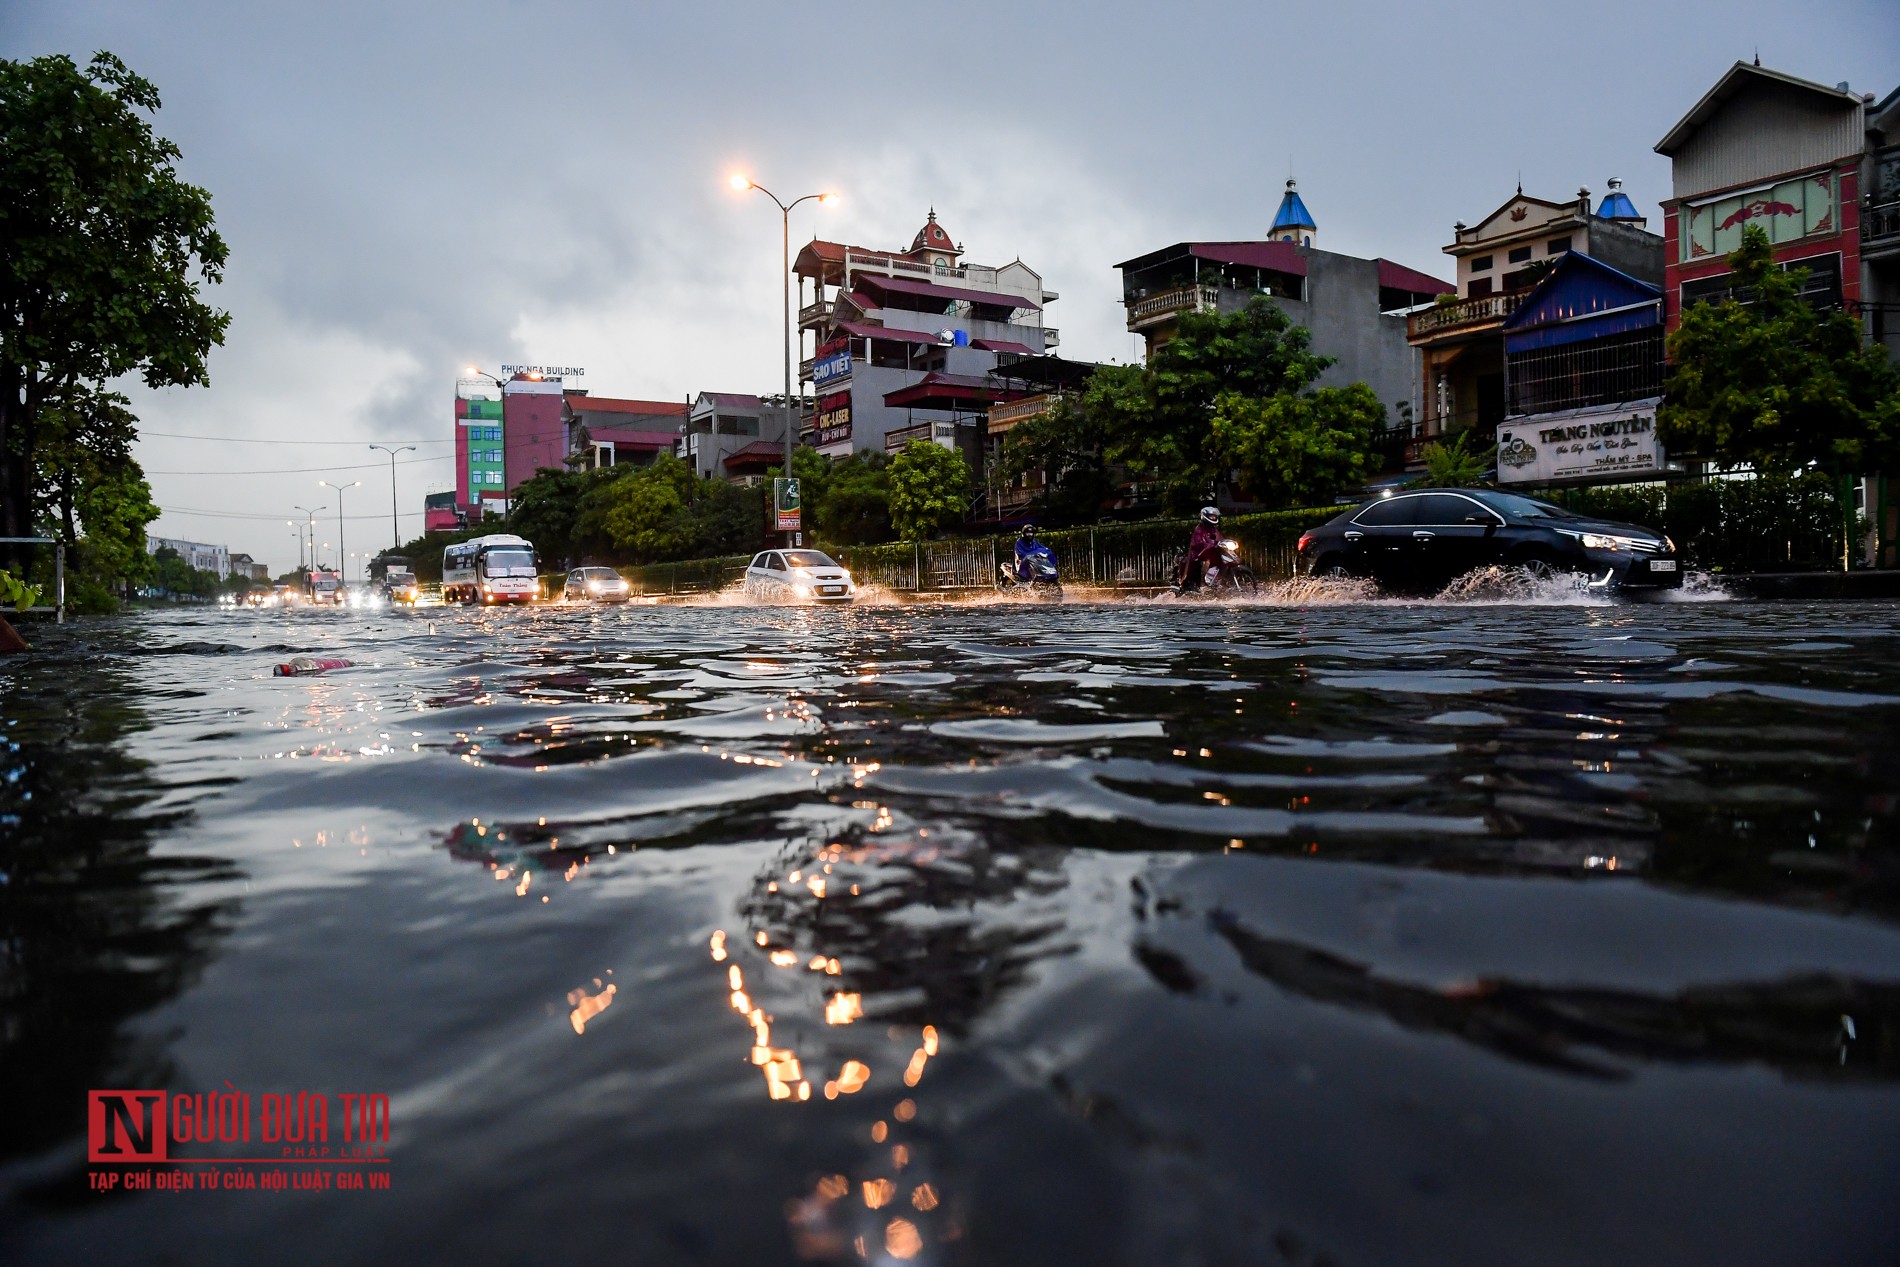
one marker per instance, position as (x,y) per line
(1398,277)
(1003,345)
(932,237)
(609,405)
(963,294)
(759,454)
(1281,257)
(938,390)
(732,400)
(863,331)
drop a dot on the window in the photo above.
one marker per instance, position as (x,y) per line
(1794,209)
(1557,246)
(1520,255)
(1393,512)
(1479,287)
(1822,288)
(1444,510)
(1481,264)
(774,563)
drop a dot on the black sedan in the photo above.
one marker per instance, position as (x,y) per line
(1420,539)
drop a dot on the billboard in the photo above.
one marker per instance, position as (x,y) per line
(831,367)
(785,504)
(834,422)
(1617,442)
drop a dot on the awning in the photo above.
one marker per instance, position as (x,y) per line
(1277,257)
(756,456)
(1003,345)
(1398,277)
(858,329)
(1595,325)
(950,392)
(950,294)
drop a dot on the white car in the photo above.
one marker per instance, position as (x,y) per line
(798,576)
(596,585)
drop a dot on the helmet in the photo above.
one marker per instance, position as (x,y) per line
(1029,531)
(1210,515)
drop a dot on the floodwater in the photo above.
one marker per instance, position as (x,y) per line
(1148,933)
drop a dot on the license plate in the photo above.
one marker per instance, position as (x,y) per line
(831,589)
(1662,565)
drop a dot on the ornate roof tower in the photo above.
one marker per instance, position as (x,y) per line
(1293,222)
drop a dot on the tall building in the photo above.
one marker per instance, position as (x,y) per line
(1765,148)
(1354,307)
(479,448)
(1880,225)
(1461,340)
(896,334)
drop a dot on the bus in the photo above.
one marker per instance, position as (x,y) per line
(492,569)
(321,587)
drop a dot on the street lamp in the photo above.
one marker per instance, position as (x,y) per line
(395,533)
(312,526)
(501,387)
(785,249)
(339,489)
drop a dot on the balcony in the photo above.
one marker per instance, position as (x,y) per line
(1466,316)
(1051,338)
(1005,416)
(1880,228)
(1166,305)
(814,314)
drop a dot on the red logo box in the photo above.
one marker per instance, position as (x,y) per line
(125,1126)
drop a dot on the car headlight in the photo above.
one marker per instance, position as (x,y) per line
(1608,541)
(1669,544)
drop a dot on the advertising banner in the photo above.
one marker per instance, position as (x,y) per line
(785,504)
(834,423)
(831,367)
(1584,445)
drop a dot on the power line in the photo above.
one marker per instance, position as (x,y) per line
(316,470)
(238,514)
(180,435)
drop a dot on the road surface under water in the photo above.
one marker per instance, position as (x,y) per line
(1310,933)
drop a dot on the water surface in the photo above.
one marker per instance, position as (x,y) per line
(1135,932)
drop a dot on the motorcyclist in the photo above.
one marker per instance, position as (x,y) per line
(1203,548)
(1028,550)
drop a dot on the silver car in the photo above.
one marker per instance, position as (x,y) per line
(595,585)
(800,576)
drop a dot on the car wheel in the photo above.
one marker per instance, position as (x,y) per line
(1332,568)
(1540,568)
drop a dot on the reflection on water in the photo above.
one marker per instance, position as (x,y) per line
(1123,932)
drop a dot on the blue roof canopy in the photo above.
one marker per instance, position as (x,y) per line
(1616,205)
(1581,298)
(1292,213)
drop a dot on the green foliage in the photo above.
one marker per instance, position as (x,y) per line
(1231,395)
(1454,465)
(1776,383)
(1068,446)
(174,578)
(546,510)
(855,505)
(101,259)
(930,489)
(1293,449)
(16,592)
(1257,353)
(1766,524)
(664,511)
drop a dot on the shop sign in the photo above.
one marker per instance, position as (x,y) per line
(834,425)
(833,367)
(1618,443)
(785,504)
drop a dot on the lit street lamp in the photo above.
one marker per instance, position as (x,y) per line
(338,489)
(395,533)
(785,245)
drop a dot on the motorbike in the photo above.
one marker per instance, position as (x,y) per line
(1225,575)
(1042,581)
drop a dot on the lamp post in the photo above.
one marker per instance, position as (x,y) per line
(785,251)
(311,525)
(395,533)
(339,489)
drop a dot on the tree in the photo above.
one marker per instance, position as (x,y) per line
(930,489)
(855,506)
(546,510)
(1765,378)
(1257,352)
(1297,448)
(1067,445)
(1454,465)
(99,245)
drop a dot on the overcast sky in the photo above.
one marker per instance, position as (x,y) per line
(408,188)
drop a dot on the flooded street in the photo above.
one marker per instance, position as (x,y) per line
(1136,932)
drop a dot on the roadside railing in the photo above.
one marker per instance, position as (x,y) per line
(58,607)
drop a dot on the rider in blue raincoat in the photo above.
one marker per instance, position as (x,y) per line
(1028,550)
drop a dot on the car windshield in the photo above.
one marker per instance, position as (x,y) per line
(808,559)
(508,563)
(1525,507)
